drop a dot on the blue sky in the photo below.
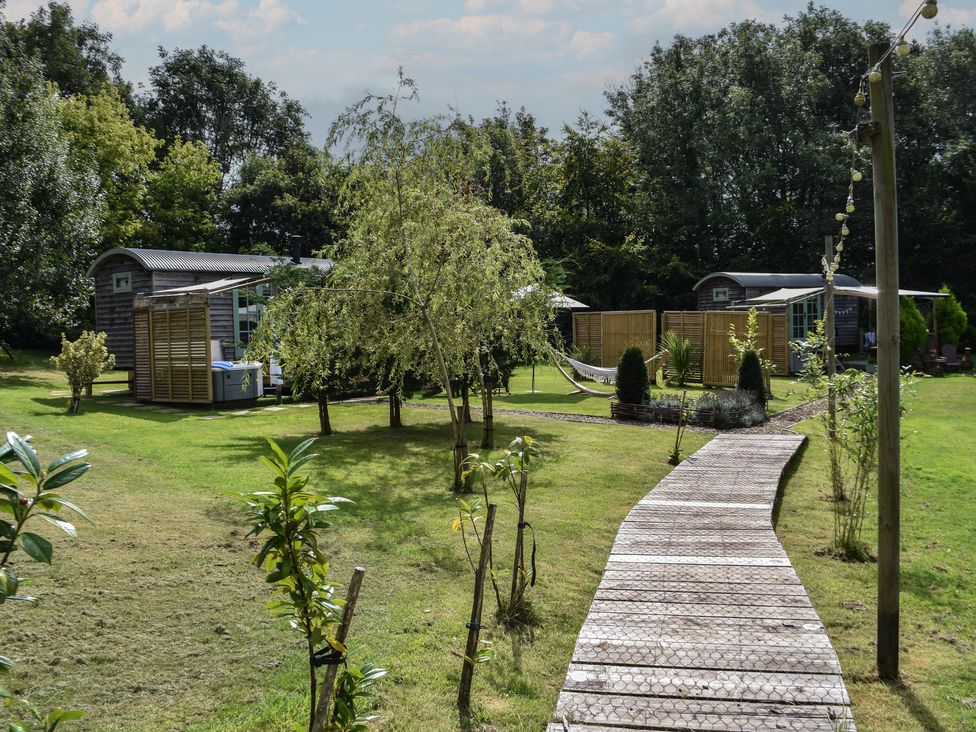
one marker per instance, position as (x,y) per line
(556,58)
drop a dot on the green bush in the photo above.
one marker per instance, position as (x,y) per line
(632,382)
(952,319)
(751,376)
(913,330)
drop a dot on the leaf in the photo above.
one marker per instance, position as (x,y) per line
(279,453)
(25,453)
(5,664)
(65,476)
(37,547)
(456,524)
(65,526)
(66,504)
(300,449)
(66,458)
(7,475)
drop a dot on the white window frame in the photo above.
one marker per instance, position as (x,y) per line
(127,287)
(720,294)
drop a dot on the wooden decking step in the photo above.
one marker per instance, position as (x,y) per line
(700,622)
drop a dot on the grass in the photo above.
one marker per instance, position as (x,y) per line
(153,619)
(552,394)
(938,572)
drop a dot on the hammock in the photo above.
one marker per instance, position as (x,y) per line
(596,373)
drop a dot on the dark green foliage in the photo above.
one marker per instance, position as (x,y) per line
(632,382)
(721,409)
(751,376)
(952,319)
(913,330)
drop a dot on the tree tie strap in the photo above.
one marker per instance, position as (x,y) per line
(473,626)
(328,656)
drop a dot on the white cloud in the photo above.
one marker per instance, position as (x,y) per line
(174,15)
(585,44)
(494,30)
(696,15)
(19,9)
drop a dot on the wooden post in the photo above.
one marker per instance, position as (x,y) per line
(321,721)
(886,266)
(474,626)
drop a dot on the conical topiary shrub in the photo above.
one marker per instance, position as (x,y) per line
(751,376)
(632,382)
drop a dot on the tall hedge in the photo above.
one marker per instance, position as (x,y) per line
(632,381)
(952,319)
(913,330)
(751,376)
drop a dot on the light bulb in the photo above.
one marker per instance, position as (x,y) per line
(840,217)
(874,75)
(837,259)
(850,206)
(856,176)
(859,99)
(845,231)
(840,246)
(903,49)
(930,9)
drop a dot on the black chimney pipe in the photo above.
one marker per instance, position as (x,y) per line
(296,249)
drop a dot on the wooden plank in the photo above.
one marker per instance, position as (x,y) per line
(700,622)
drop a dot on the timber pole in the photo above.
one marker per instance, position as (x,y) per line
(886,266)
(830,346)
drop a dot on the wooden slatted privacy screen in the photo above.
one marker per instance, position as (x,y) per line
(142,359)
(781,345)
(608,334)
(179,338)
(689,324)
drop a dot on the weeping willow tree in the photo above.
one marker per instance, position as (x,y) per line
(432,277)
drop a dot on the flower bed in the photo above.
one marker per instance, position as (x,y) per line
(722,410)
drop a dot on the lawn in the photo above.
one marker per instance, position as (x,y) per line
(938,567)
(153,618)
(552,394)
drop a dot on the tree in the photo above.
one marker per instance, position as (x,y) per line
(78,58)
(83,361)
(207,95)
(432,273)
(101,131)
(275,199)
(49,207)
(632,382)
(913,330)
(951,317)
(181,200)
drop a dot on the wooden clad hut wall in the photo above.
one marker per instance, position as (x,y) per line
(180,347)
(113,310)
(142,358)
(588,335)
(688,324)
(625,328)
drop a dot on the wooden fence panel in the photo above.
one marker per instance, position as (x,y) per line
(780,349)
(180,348)
(687,324)
(719,366)
(626,328)
(142,359)
(588,335)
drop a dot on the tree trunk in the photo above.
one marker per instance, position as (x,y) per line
(488,434)
(461,454)
(395,403)
(466,402)
(518,569)
(75,403)
(325,424)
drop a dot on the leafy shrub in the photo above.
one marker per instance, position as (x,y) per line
(584,354)
(678,360)
(722,410)
(913,330)
(83,361)
(632,382)
(751,376)
(952,319)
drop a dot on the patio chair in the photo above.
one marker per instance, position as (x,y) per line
(927,363)
(951,358)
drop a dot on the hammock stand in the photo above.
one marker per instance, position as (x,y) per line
(580,388)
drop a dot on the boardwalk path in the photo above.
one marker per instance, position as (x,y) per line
(700,622)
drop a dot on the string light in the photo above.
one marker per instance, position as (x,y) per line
(900,46)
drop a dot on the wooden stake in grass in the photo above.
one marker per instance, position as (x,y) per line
(320,723)
(474,626)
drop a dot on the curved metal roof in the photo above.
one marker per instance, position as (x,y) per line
(778,279)
(167,260)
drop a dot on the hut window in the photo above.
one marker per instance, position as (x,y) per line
(122,282)
(720,294)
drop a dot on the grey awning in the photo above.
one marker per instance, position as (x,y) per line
(215,287)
